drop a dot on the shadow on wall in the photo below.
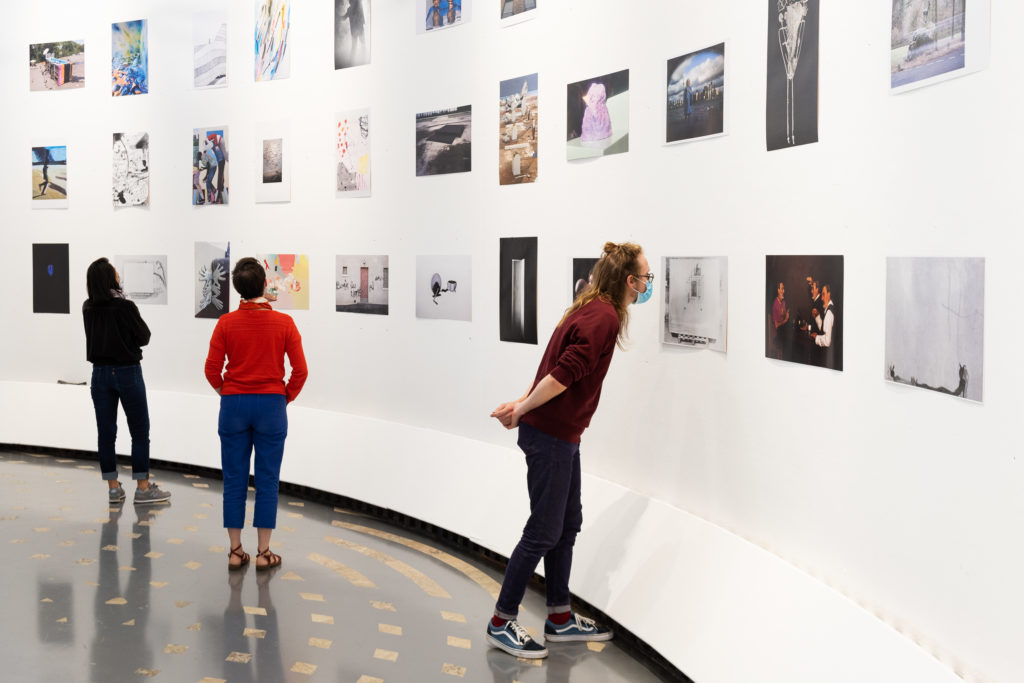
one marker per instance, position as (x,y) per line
(615,525)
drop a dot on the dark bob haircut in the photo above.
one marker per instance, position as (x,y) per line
(249,278)
(101,281)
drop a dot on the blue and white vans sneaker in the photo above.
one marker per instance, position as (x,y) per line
(576,629)
(513,639)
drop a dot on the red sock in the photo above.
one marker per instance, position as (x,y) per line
(559,618)
(498,622)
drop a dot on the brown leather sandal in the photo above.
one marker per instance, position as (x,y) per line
(272,560)
(242,556)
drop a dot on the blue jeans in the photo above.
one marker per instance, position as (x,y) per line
(110,384)
(248,422)
(556,515)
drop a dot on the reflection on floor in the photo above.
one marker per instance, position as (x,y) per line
(129,592)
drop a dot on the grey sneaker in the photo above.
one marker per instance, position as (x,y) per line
(116,495)
(152,494)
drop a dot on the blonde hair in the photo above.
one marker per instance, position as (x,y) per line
(608,283)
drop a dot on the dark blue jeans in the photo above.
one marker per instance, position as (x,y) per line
(252,422)
(110,384)
(556,515)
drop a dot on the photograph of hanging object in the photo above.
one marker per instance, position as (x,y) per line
(444,287)
(696,310)
(791,116)
(517,302)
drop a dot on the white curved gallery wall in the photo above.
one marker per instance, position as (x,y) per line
(750,519)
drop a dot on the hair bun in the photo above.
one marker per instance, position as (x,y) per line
(610,247)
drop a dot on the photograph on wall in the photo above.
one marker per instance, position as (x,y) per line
(351,33)
(696,302)
(444,287)
(580,278)
(435,15)
(143,278)
(517,130)
(273,169)
(935,40)
(804,310)
(517,290)
(131,169)
(51,281)
(935,324)
(695,105)
(212,279)
(50,177)
(361,284)
(791,103)
(597,116)
(516,11)
(273,47)
(56,66)
(129,58)
(352,153)
(210,166)
(287,279)
(444,141)
(210,49)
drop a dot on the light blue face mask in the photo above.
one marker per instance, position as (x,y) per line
(643,297)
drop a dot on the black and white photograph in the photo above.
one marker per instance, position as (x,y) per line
(804,310)
(444,141)
(273,172)
(212,279)
(935,324)
(51,282)
(210,49)
(791,102)
(517,290)
(351,33)
(361,284)
(131,169)
(444,287)
(597,116)
(143,278)
(580,277)
(936,40)
(696,302)
(695,95)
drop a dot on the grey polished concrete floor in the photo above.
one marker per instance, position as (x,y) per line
(128,593)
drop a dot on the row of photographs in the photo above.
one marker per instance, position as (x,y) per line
(935,307)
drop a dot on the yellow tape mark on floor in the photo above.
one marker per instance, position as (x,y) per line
(424,582)
(347,573)
(478,577)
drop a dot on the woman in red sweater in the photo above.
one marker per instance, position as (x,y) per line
(551,416)
(255,340)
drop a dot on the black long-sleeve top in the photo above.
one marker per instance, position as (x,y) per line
(114,332)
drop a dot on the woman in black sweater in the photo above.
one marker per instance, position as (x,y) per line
(114,335)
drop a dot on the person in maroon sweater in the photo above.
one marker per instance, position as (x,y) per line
(254,395)
(551,416)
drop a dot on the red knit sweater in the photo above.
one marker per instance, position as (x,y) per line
(577,357)
(255,340)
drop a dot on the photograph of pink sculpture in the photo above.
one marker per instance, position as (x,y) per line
(597,116)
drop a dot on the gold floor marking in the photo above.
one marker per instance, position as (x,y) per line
(322,618)
(148,673)
(596,647)
(255,610)
(117,601)
(453,670)
(424,582)
(390,629)
(173,649)
(193,565)
(291,576)
(369,679)
(153,555)
(385,606)
(321,643)
(463,643)
(194,627)
(209,679)
(314,597)
(158,584)
(347,573)
(304,668)
(181,604)
(254,633)
(478,577)
(386,655)
(239,657)
(130,622)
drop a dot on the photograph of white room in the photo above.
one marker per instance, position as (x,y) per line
(696,301)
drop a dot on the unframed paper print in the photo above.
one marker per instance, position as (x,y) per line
(597,116)
(444,287)
(211,279)
(517,290)
(935,324)
(516,11)
(517,131)
(210,49)
(56,66)
(804,310)
(696,95)
(361,284)
(288,279)
(131,169)
(50,177)
(274,172)
(434,15)
(791,116)
(444,141)
(935,40)
(273,47)
(51,281)
(130,58)
(143,278)
(351,33)
(581,272)
(696,301)
(210,166)
(352,153)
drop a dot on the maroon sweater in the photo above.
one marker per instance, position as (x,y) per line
(577,357)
